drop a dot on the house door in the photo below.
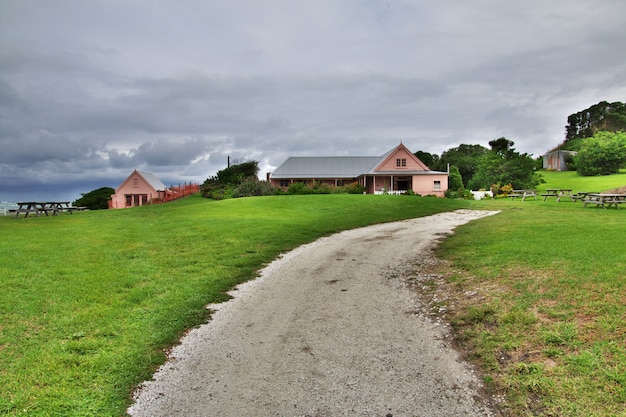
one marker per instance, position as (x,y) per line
(403,185)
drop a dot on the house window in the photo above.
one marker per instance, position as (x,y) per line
(284,183)
(437,185)
(400,162)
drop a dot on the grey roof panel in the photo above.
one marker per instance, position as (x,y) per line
(153,181)
(325,167)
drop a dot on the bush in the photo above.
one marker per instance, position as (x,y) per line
(251,187)
(603,154)
(352,188)
(96,199)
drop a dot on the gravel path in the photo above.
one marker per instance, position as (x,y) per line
(324,331)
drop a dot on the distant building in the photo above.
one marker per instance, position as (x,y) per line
(397,171)
(555,160)
(139,189)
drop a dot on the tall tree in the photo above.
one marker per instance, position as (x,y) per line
(430,159)
(503,165)
(465,158)
(602,116)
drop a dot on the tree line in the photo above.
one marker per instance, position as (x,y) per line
(473,167)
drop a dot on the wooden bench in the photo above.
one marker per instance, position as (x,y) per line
(523,194)
(596,201)
(558,193)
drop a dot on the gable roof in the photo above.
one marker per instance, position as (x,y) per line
(305,167)
(152,180)
(148,177)
(400,150)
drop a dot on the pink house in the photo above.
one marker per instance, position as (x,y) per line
(395,172)
(140,188)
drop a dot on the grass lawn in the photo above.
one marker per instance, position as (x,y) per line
(538,297)
(89,302)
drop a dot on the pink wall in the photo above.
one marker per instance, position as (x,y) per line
(134,185)
(425,184)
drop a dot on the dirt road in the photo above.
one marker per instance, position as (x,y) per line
(325,330)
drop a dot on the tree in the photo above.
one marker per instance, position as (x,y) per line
(602,154)
(502,165)
(455,181)
(430,159)
(465,158)
(96,199)
(603,116)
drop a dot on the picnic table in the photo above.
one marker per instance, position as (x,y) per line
(39,208)
(558,193)
(523,194)
(605,200)
(582,195)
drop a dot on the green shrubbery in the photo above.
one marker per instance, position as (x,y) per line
(602,154)
(301,188)
(236,181)
(96,199)
(251,187)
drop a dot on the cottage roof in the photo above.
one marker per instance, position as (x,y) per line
(325,166)
(152,180)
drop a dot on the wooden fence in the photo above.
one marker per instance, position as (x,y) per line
(175,193)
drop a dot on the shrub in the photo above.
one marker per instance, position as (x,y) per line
(603,154)
(251,187)
(352,188)
(96,199)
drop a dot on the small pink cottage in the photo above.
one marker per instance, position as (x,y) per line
(140,188)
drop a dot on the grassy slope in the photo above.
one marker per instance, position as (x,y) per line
(570,179)
(539,293)
(89,302)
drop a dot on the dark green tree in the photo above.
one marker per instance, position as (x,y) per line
(602,154)
(455,181)
(603,116)
(430,159)
(465,158)
(96,199)
(503,165)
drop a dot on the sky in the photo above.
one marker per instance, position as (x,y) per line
(91,90)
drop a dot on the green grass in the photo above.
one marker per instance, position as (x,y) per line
(546,307)
(90,302)
(569,179)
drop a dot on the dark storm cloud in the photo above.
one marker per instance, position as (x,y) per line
(90,91)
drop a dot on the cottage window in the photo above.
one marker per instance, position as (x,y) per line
(401,162)
(437,185)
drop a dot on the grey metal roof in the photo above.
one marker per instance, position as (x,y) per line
(325,166)
(153,180)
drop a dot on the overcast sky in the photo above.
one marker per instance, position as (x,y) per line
(90,90)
